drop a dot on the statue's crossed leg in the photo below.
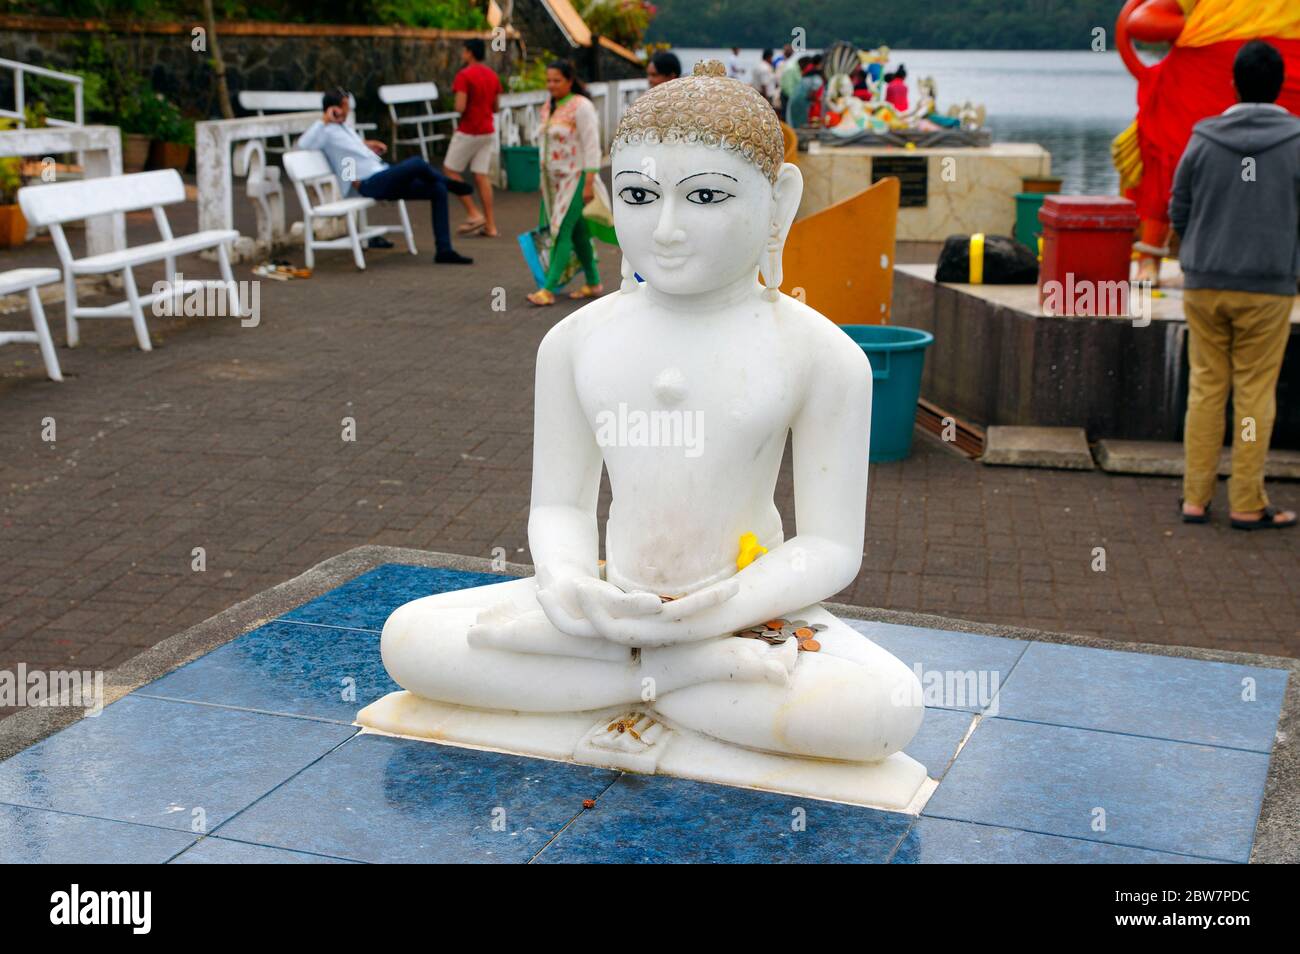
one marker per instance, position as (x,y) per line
(843,702)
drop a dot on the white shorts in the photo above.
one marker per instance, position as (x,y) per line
(474,152)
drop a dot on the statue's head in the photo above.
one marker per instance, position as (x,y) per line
(700,185)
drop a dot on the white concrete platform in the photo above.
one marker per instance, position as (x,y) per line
(897,784)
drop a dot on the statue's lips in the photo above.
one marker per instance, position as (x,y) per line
(670,261)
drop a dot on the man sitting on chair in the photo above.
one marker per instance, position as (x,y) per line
(357,164)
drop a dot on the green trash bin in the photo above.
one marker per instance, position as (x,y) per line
(1027,225)
(523,166)
(897,357)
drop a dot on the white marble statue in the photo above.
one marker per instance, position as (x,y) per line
(684,387)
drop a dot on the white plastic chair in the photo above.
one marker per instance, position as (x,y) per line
(425,122)
(309,168)
(28,280)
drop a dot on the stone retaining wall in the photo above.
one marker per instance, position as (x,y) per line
(274,56)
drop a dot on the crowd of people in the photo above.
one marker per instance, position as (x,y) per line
(794,84)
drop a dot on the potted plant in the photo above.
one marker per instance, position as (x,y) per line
(136,137)
(173,135)
(13,224)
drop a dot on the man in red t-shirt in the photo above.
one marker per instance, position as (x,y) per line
(477,90)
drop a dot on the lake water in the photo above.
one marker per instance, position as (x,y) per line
(1073,103)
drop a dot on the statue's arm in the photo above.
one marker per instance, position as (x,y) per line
(831,439)
(562,531)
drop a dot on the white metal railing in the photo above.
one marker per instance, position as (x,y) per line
(519,115)
(519,120)
(20,93)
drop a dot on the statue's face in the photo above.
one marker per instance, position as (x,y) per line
(690,218)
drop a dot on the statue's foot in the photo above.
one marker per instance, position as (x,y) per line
(851,701)
(717,660)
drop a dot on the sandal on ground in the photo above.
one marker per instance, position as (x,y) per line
(1266,521)
(1203,517)
(472,227)
(542,296)
(588,291)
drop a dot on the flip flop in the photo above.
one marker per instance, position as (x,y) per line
(1265,522)
(471,227)
(543,297)
(588,291)
(1192,517)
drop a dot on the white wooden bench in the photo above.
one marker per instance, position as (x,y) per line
(58,203)
(263,101)
(28,280)
(425,122)
(308,169)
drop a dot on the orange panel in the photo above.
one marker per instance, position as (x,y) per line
(843,257)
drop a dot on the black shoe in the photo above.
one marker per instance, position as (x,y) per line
(1203,517)
(1267,520)
(456,187)
(379,242)
(452,257)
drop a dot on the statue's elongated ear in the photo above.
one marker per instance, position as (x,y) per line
(786,193)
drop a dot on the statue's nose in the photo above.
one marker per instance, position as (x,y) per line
(666,232)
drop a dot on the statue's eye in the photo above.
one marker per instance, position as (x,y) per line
(707,196)
(637,195)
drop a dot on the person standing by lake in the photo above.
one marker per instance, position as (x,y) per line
(787,78)
(477,90)
(570,159)
(763,78)
(1236,206)
(735,65)
(663,66)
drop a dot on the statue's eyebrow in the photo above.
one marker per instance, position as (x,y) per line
(723,174)
(636,172)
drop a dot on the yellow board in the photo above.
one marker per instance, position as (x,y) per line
(840,260)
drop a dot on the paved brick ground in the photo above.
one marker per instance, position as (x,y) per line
(229,439)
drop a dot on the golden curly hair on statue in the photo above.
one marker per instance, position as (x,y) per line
(710,109)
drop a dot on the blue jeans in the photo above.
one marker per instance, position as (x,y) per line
(413,179)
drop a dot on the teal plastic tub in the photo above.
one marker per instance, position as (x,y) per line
(897,357)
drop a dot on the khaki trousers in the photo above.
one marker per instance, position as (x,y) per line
(1235,342)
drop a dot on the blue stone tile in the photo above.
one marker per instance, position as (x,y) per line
(1165,697)
(154,762)
(219,851)
(936,742)
(367,601)
(957,670)
(285,668)
(1157,794)
(30,836)
(938,841)
(654,819)
(382,799)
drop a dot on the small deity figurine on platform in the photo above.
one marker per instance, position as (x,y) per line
(684,386)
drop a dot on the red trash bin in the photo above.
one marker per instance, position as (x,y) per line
(1087,248)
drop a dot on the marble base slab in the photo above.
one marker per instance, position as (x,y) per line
(897,784)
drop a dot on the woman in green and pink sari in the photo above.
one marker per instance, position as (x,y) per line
(570,160)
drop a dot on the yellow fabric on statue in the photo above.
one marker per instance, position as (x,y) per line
(1212,21)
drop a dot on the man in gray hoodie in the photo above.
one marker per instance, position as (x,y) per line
(1236,208)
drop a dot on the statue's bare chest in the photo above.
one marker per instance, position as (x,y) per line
(735,391)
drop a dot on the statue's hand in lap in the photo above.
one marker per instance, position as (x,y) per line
(643,620)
